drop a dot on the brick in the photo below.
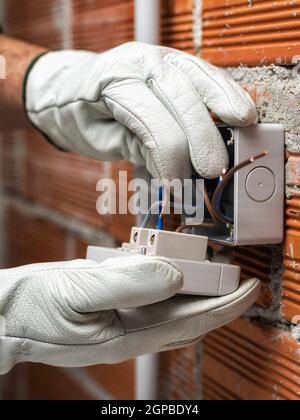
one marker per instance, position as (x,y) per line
(258,262)
(48,383)
(120,225)
(48,172)
(290,304)
(180,374)
(33,235)
(14,385)
(33,240)
(177,25)
(39,382)
(118,380)
(291,277)
(40,22)
(13,159)
(80,248)
(64,182)
(245,361)
(94,24)
(242,361)
(101,25)
(239,32)
(274,90)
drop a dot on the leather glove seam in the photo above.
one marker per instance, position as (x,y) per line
(24,99)
(249,291)
(118,316)
(197,314)
(195,158)
(50,107)
(99,267)
(184,342)
(46,270)
(77,100)
(147,259)
(149,133)
(217,84)
(95,102)
(31,340)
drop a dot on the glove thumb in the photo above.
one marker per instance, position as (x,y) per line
(123,283)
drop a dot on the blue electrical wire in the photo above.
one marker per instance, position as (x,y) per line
(229,219)
(149,214)
(160,222)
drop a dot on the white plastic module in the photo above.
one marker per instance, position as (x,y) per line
(174,245)
(189,252)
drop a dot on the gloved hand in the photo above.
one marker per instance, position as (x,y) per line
(138,102)
(82,313)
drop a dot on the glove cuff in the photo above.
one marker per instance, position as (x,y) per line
(9,354)
(55,84)
(12,347)
(24,98)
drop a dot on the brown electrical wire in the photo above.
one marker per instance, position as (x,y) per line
(227,178)
(212,206)
(209,206)
(204,225)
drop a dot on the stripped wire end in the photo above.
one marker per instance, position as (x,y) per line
(261,155)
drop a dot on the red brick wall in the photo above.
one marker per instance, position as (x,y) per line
(51,195)
(245,361)
(254,32)
(260,361)
(177,24)
(291,276)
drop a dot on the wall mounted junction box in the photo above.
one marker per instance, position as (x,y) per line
(254,200)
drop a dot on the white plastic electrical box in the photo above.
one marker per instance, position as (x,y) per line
(255,197)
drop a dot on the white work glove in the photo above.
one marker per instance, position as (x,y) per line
(82,313)
(137,102)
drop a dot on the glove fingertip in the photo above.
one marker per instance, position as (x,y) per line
(214,165)
(241,110)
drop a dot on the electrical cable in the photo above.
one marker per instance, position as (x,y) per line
(157,205)
(219,205)
(214,205)
(203,224)
(209,206)
(226,179)
(160,219)
(150,213)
